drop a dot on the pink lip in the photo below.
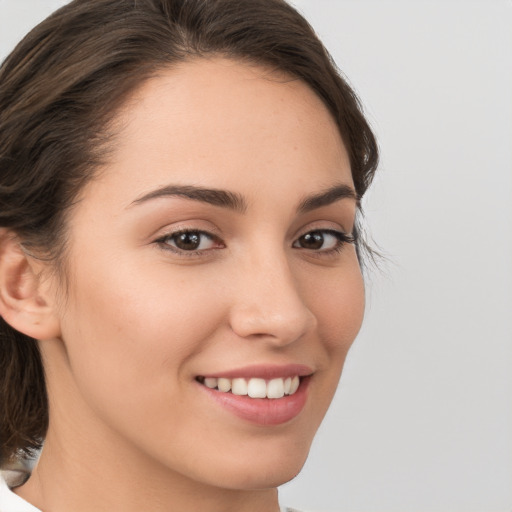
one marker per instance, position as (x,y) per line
(263,411)
(264,372)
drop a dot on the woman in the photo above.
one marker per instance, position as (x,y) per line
(180,182)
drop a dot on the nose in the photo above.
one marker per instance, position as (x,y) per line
(268,303)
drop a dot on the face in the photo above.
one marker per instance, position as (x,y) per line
(213,251)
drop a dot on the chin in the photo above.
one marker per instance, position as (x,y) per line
(253,479)
(268,468)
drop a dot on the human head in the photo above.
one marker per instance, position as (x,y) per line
(63,85)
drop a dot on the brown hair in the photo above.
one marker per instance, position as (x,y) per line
(62,85)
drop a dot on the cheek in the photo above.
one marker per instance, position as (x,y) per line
(337,299)
(339,307)
(127,330)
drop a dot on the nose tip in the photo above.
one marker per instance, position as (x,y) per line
(272,308)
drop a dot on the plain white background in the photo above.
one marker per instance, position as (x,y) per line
(422,421)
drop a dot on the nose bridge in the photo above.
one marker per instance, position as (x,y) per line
(270,303)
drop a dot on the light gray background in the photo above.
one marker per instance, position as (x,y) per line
(423,418)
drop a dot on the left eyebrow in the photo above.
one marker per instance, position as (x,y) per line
(327,197)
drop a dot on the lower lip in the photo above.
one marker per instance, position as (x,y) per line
(263,411)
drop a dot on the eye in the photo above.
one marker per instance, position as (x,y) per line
(189,241)
(323,240)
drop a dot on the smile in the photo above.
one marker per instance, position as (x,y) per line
(254,387)
(265,395)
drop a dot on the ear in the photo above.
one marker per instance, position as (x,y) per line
(25,303)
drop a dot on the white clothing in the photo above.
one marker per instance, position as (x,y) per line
(10,502)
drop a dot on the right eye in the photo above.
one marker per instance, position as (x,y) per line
(189,241)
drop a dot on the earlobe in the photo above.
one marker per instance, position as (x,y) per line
(23,303)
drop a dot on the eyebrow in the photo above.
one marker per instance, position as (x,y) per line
(327,197)
(236,202)
(213,196)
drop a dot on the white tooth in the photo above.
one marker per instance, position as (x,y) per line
(275,388)
(224,385)
(239,387)
(287,385)
(210,382)
(294,385)
(257,388)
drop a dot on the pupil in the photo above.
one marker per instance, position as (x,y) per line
(188,241)
(313,240)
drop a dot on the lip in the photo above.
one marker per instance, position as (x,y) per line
(266,372)
(263,411)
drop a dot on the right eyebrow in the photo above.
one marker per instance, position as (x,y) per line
(327,197)
(213,196)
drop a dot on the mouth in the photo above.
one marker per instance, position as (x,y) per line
(255,387)
(262,395)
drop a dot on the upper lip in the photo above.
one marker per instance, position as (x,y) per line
(264,371)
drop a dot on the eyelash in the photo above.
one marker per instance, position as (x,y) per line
(341,237)
(341,240)
(163,242)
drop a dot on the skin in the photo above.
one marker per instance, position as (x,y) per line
(130,427)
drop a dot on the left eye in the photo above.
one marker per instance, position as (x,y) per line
(322,240)
(189,241)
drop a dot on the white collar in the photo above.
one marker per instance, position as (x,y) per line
(10,502)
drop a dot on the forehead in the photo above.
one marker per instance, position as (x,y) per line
(223,123)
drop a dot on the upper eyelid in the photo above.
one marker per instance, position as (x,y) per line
(168,231)
(215,233)
(178,232)
(161,239)
(325,226)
